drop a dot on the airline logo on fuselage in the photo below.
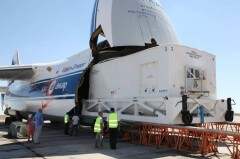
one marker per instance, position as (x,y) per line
(72,68)
(55,86)
(52,87)
(61,86)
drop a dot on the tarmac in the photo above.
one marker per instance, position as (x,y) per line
(55,145)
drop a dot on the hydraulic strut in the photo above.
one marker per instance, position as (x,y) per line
(186,115)
(229,113)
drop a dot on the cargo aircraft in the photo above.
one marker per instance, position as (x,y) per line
(139,68)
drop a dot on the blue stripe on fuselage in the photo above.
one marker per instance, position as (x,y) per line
(44,80)
(65,85)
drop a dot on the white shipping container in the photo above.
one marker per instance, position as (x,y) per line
(148,86)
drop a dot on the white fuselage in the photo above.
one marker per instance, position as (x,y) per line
(52,88)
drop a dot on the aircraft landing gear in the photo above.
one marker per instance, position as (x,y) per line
(229,113)
(9,120)
(229,116)
(187,117)
(13,118)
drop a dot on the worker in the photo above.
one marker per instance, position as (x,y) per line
(39,122)
(113,127)
(66,123)
(75,123)
(30,125)
(98,129)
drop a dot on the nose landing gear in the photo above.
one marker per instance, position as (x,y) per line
(229,116)
(187,118)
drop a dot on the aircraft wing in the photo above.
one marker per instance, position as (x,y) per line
(16,72)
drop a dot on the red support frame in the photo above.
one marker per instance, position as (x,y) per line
(205,139)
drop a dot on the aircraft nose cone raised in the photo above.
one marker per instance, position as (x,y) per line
(133,22)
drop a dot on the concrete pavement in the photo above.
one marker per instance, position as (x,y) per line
(55,145)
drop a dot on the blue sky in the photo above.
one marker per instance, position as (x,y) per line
(50,30)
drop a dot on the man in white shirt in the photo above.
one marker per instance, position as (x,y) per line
(75,121)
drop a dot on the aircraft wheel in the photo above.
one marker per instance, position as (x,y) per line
(187,118)
(7,120)
(19,117)
(229,116)
(13,119)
